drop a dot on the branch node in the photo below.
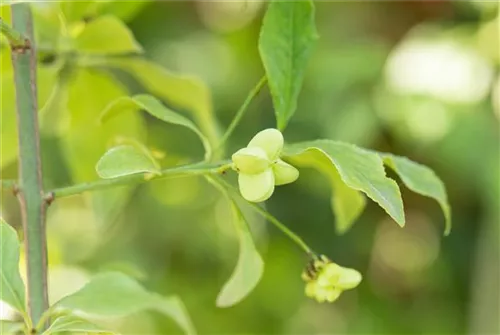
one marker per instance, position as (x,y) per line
(19,43)
(15,190)
(21,48)
(49,198)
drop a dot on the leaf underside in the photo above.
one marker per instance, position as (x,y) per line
(249,268)
(155,108)
(353,170)
(125,160)
(286,41)
(358,169)
(118,296)
(422,180)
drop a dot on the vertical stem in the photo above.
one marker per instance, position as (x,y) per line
(30,193)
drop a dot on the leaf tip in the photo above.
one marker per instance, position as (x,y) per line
(447,228)
(222,303)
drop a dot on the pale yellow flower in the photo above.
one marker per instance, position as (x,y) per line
(325,280)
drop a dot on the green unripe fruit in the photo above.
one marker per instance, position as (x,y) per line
(260,167)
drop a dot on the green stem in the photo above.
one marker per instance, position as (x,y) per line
(179,171)
(277,223)
(241,112)
(30,193)
(300,242)
(16,39)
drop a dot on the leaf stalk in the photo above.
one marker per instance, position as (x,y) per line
(172,172)
(16,39)
(241,112)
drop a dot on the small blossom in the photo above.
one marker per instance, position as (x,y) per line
(260,167)
(325,280)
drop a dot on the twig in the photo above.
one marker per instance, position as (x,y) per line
(241,112)
(179,171)
(17,40)
(277,223)
(30,193)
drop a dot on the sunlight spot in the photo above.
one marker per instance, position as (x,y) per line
(6,312)
(428,120)
(228,16)
(443,69)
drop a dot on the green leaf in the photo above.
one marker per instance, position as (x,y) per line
(10,327)
(422,180)
(358,168)
(76,10)
(50,26)
(46,78)
(125,10)
(74,324)
(286,41)
(183,92)
(175,309)
(81,153)
(100,90)
(11,284)
(154,107)
(347,203)
(53,116)
(249,268)
(125,160)
(118,296)
(106,35)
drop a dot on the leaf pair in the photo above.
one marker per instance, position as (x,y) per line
(130,159)
(287,37)
(352,170)
(112,295)
(107,295)
(183,92)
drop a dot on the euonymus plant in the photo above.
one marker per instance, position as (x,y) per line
(87,39)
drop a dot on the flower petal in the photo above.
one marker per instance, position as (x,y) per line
(284,173)
(333,295)
(250,160)
(256,187)
(270,140)
(329,275)
(349,278)
(311,289)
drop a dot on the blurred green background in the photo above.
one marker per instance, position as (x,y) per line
(415,78)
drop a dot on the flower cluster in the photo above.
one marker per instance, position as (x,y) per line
(260,168)
(325,280)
